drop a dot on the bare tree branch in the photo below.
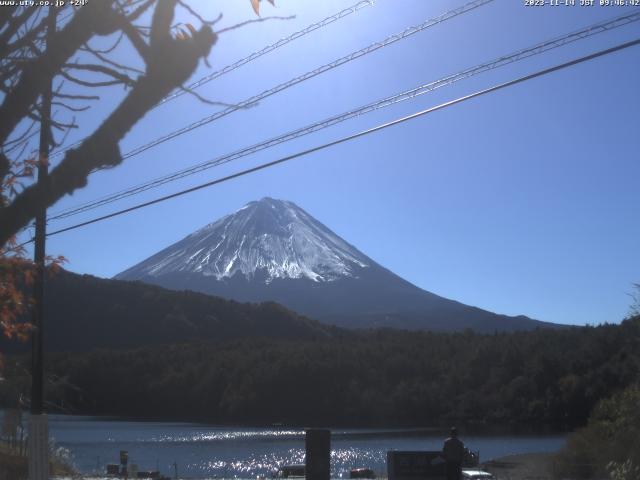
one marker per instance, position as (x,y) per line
(71,108)
(5,16)
(15,23)
(161,23)
(214,102)
(104,59)
(255,20)
(108,49)
(5,165)
(170,63)
(122,78)
(62,126)
(135,38)
(132,17)
(86,83)
(76,97)
(24,40)
(65,134)
(94,18)
(21,136)
(202,20)
(22,146)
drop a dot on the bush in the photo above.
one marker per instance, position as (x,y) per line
(14,465)
(609,444)
(623,471)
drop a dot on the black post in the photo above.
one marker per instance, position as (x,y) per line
(318,452)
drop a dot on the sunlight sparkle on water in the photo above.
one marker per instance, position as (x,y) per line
(226,435)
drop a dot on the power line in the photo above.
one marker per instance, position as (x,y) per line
(270,48)
(373,106)
(354,136)
(251,57)
(253,101)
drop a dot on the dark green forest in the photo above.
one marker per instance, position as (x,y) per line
(527,380)
(130,349)
(84,312)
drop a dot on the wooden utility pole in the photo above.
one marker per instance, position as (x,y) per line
(38,425)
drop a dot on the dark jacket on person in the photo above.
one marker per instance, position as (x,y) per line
(453,450)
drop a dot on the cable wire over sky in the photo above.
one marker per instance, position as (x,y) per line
(252,101)
(249,58)
(370,107)
(538,73)
(270,48)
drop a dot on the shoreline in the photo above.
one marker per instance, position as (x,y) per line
(474,429)
(523,466)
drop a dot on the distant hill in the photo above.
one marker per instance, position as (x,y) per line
(274,250)
(84,312)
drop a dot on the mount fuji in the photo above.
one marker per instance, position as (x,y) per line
(272,250)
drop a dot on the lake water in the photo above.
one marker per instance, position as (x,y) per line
(202,451)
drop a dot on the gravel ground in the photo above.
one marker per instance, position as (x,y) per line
(528,466)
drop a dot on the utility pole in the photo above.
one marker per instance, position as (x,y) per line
(38,424)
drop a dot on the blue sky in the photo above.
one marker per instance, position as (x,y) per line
(524,201)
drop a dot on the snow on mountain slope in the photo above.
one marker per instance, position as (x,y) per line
(274,237)
(272,250)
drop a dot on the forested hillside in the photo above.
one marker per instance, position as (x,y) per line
(528,379)
(85,312)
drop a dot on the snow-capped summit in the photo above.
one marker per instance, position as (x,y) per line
(267,239)
(272,250)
